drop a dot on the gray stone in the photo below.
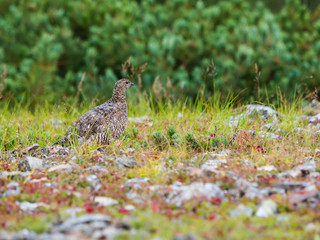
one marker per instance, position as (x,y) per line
(28,206)
(267,208)
(268,127)
(97,169)
(105,201)
(269,135)
(292,185)
(126,162)
(306,168)
(107,233)
(13,189)
(74,211)
(241,210)
(56,122)
(94,181)
(139,119)
(130,150)
(315,119)
(137,180)
(62,168)
(56,151)
(15,175)
(267,168)
(23,234)
(181,194)
(260,110)
(84,219)
(30,163)
(301,170)
(212,165)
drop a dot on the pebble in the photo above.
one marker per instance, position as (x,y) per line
(30,163)
(241,210)
(180,194)
(266,209)
(126,162)
(105,201)
(70,223)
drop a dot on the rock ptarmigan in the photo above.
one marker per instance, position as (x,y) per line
(103,123)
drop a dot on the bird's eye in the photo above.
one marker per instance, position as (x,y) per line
(127,82)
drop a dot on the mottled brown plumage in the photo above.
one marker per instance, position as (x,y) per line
(103,123)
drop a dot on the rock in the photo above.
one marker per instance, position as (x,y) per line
(130,150)
(97,169)
(212,165)
(126,162)
(139,119)
(311,227)
(266,209)
(56,122)
(268,127)
(315,119)
(30,163)
(241,210)
(300,196)
(94,181)
(137,180)
(107,233)
(217,155)
(234,121)
(267,168)
(12,189)
(105,201)
(130,207)
(62,168)
(32,149)
(23,234)
(253,109)
(306,168)
(301,170)
(56,151)
(185,237)
(15,175)
(289,186)
(69,224)
(74,211)
(75,167)
(28,206)
(196,190)
(269,135)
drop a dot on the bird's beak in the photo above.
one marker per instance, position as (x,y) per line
(132,84)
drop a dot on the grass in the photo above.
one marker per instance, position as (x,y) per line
(165,147)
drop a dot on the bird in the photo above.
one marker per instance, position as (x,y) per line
(104,123)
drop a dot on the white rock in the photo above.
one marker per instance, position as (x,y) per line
(130,207)
(139,119)
(181,194)
(67,168)
(241,210)
(28,206)
(315,119)
(267,168)
(267,208)
(105,201)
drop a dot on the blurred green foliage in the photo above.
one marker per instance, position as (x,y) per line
(48,45)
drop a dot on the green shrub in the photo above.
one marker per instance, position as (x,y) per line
(48,45)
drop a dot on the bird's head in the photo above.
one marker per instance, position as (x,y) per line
(121,86)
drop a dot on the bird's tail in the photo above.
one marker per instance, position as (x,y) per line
(61,142)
